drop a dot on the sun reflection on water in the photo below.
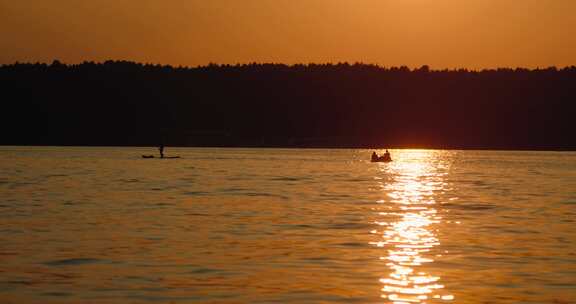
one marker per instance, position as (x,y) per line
(408,234)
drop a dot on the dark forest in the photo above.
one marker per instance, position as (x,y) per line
(120,103)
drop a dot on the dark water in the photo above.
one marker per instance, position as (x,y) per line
(101,225)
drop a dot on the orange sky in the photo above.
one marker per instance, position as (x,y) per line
(440,33)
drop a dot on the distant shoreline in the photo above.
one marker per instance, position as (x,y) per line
(121,103)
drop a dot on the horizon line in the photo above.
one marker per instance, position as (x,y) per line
(290,65)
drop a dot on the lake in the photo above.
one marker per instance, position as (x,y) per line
(102,225)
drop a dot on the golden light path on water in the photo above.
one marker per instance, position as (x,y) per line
(409,222)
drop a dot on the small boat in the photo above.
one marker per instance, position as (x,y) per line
(381,159)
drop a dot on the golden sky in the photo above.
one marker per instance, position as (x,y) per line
(440,33)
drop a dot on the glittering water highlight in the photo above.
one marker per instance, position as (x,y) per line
(408,230)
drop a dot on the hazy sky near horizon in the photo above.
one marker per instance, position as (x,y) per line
(440,33)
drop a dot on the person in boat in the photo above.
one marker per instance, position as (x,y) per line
(374,156)
(387,156)
(161,149)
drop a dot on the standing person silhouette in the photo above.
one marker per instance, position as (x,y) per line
(161,149)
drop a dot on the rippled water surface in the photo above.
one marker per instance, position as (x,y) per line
(101,225)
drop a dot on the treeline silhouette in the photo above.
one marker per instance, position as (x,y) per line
(276,105)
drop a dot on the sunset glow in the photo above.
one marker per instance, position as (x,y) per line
(442,34)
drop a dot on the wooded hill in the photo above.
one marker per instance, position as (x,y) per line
(276,105)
